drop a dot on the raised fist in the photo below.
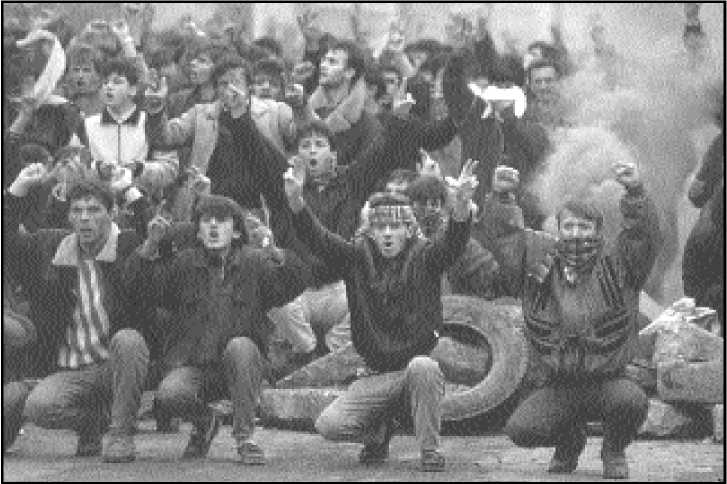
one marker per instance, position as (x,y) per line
(627,174)
(506,179)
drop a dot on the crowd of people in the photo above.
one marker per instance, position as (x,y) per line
(175,200)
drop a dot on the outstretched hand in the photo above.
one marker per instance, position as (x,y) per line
(156,96)
(294,179)
(428,166)
(627,174)
(505,180)
(463,188)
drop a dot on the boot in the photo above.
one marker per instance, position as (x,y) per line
(565,458)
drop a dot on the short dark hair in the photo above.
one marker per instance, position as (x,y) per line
(121,67)
(81,53)
(430,46)
(66,151)
(388,198)
(540,64)
(223,207)
(271,66)
(402,174)
(583,209)
(228,63)
(270,44)
(427,188)
(373,76)
(354,54)
(33,153)
(91,188)
(310,127)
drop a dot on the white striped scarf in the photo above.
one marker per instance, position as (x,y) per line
(90,323)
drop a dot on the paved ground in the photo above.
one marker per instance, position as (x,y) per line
(41,455)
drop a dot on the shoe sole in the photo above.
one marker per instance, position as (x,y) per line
(253,461)
(119,460)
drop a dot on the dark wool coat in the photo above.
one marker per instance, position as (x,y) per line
(205,319)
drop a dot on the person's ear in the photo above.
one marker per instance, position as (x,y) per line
(349,73)
(236,234)
(132,91)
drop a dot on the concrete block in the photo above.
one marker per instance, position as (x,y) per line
(677,339)
(718,423)
(665,420)
(295,407)
(691,382)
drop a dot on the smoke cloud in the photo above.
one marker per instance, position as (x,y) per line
(647,108)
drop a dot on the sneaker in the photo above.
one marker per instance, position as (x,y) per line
(250,453)
(89,445)
(201,438)
(432,461)
(565,458)
(118,447)
(614,465)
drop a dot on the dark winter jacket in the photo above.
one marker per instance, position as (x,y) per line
(209,309)
(48,276)
(589,330)
(395,304)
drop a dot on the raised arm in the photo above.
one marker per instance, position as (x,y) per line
(640,239)
(447,249)
(336,253)
(161,131)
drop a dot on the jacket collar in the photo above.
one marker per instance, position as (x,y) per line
(199,258)
(68,250)
(344,114)
(130,118)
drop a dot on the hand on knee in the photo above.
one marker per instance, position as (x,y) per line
(423,366)
(128,339)
(241,347)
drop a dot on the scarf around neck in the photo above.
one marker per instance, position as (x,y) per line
(343,115)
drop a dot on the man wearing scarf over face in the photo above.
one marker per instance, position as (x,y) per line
(392,282)
(580,303)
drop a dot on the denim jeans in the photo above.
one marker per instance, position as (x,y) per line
(324,309)
(362,413)
(551,415)
(14,395)
(185,391)
(80,399)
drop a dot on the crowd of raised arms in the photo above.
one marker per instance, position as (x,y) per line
(172,200)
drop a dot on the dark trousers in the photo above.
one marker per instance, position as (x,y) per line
(550,416)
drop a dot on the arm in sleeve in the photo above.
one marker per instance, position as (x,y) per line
(476,273)
(22,251)
(336,253)
(500,231)
(283,281)
(152,281)
(457,96)
(710,173)
(445,250)
(165,133)
(18,329)
(640,239)
(437,134)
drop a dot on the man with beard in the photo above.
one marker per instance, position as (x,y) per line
(544,106)
(393,283)
(580,304)
(339,101)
